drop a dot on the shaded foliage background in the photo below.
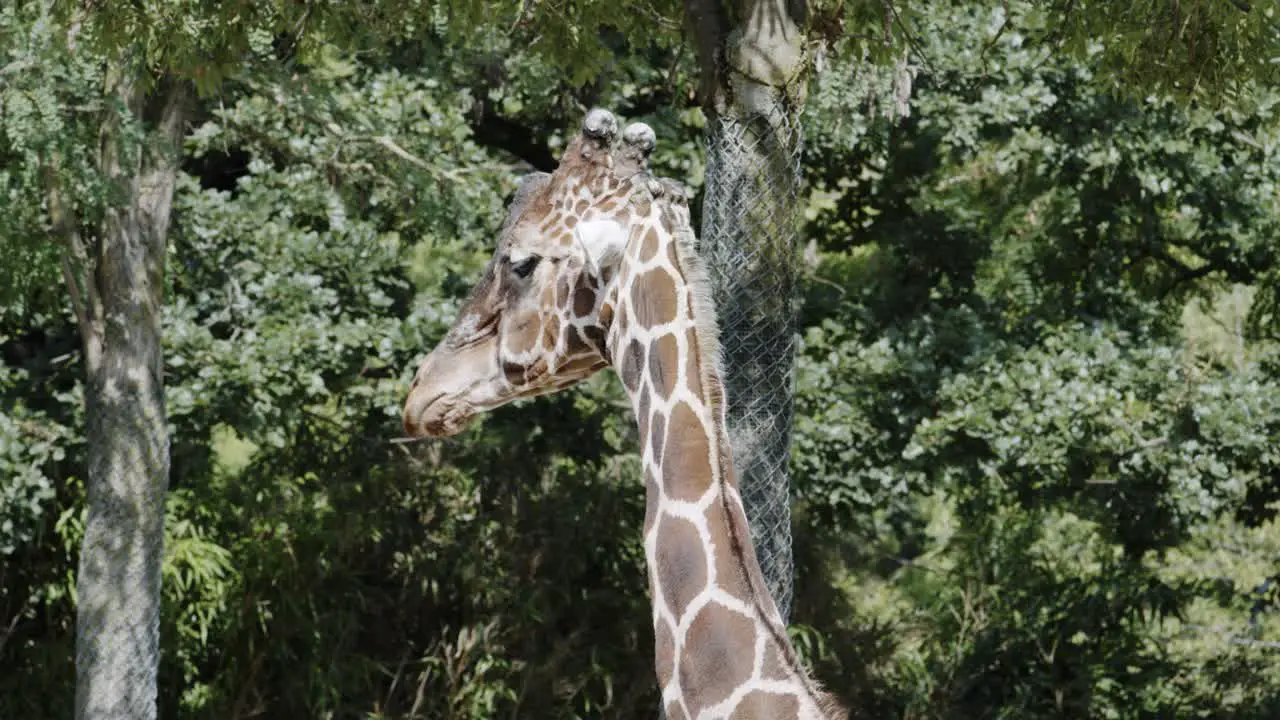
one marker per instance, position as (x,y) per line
(1036,456)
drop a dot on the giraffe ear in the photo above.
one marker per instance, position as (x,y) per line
(603,244)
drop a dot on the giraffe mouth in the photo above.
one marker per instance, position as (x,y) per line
(439,416)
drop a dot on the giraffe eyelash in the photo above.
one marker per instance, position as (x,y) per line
(525,266)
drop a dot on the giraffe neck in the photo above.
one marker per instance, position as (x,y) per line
(720,645)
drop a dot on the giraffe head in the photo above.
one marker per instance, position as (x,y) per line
(533,323)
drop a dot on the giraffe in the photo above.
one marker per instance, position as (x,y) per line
(595,267)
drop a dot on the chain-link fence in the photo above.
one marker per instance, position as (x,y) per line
(749,232)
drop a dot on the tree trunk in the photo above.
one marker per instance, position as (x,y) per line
(754,69)
(116,282)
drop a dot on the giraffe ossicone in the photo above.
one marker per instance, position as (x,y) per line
(595,268)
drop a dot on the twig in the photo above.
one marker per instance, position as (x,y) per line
(386,142)
(421,695)
(13,624)
(239,709)
(524,16)
(995,39)
(73,289)
(911,41)
(1246,8)
(1055,36)
(408,440)
(671,72)
(396,679)
(823,281)
(64,224)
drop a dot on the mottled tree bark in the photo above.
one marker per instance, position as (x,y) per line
(116,281)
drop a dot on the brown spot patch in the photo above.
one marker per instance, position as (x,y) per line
(737,518)
(595,336)
(664,652)
(679,562)
(570,221)
(606,314)
(523,333)
(772,667)
(562,291)
(550,335)
(717,657)
(651,498)
(686,467)
(535,371)
(514,372)
(581,367)
(650,247)
(664,365)
(659,436)
(643,421)
(675,712)
(760,704)
(642,406)
(653,296)
(671,255)
(581,207)
(575,343)
(632,365)
(584,301)
(623,317)
(731,576)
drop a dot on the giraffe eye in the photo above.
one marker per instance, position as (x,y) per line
(523,268)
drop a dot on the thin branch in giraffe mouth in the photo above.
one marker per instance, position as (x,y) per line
(410,440)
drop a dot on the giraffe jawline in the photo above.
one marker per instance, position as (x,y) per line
(453,421)
(440,417)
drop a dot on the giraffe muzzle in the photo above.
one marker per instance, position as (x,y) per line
(435,416)
(452,386)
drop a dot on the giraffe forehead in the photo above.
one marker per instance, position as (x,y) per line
(548,238)
(531,233)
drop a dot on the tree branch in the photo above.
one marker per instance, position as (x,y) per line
(986,47)
(1185,273)
(75,264)
(1246,8)
(911,40)
(708,25)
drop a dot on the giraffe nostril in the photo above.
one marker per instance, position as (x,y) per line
(414,385)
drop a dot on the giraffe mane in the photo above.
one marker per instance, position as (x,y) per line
(707,337)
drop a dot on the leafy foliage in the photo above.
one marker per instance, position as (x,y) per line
(1035,465)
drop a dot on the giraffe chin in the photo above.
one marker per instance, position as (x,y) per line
(439,419)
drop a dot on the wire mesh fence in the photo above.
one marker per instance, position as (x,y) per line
(749,241)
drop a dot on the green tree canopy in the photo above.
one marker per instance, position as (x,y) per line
(1035,465)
